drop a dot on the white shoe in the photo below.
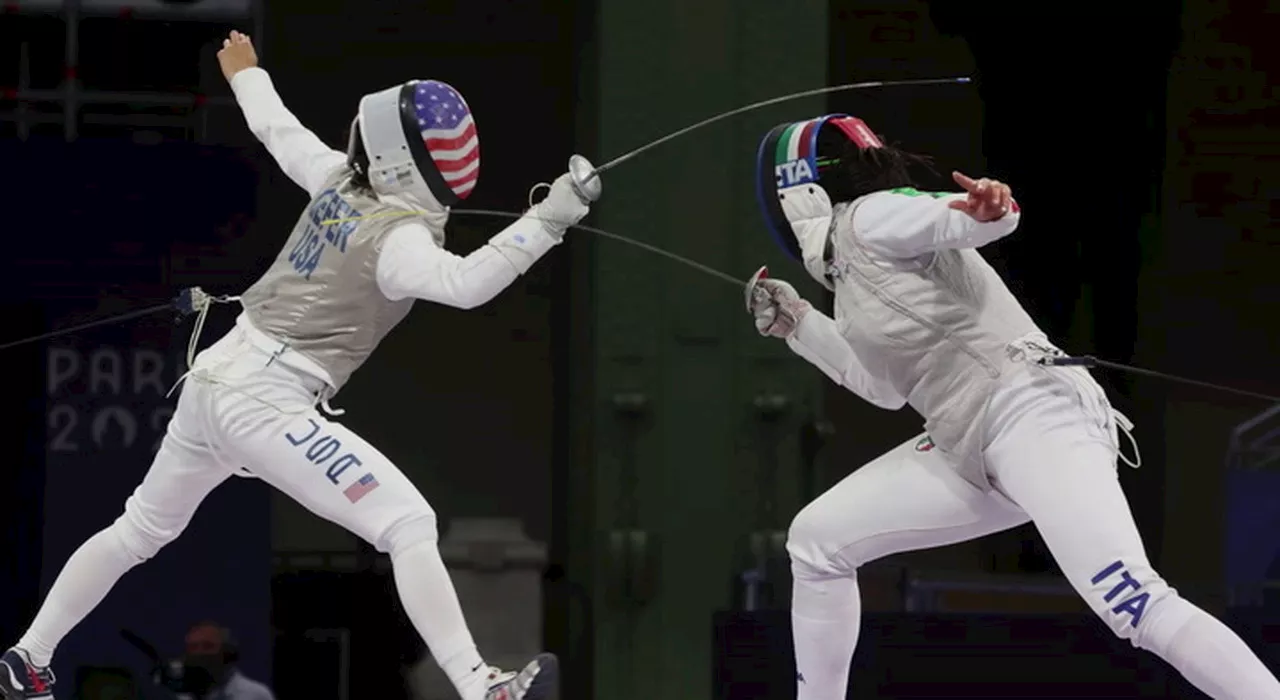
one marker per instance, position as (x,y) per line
(534,682)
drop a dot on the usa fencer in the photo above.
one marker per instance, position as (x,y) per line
(368,245)
(921,319)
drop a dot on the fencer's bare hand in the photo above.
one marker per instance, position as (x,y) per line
(987,199)
(237,54)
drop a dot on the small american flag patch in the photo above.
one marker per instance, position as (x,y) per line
(362,487)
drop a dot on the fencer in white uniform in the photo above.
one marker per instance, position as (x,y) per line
(365,248)
(921,319)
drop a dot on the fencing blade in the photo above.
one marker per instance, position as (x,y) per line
(694,264)
(749,285)
(772,101)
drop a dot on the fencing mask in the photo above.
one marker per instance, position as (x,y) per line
(791,164)
(417,141)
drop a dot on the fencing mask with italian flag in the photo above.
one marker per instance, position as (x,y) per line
(792,163)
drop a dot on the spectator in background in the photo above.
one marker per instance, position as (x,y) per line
(211,648)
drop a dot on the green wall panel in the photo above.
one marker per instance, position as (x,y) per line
(688,475)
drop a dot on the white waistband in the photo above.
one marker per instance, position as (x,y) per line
(284,354)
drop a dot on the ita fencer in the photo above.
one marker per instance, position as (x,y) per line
(368,245)
(921,319)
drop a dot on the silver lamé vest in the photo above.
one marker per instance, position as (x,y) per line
(320,297)
(937,327)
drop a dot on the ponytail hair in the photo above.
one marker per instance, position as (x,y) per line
(855,172)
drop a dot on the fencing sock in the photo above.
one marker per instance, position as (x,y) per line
(1215,659)
(86,579)
(432,606)
(825,617)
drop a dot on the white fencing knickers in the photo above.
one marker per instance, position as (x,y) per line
(1051,456)
(241,409)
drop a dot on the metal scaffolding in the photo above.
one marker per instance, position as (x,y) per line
(71,96)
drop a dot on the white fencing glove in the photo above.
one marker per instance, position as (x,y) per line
(561,208)
(776,305)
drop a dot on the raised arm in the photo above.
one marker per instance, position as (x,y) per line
(780,312)
(299,152)
(906,223)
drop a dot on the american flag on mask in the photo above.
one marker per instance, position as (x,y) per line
(450,134)
(361,488)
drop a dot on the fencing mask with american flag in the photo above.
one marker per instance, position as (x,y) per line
(417,140)
(790,165)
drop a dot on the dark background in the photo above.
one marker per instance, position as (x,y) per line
(1140,143)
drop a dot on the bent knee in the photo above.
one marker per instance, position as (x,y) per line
(142,534)
(812,545)
(1138,605)
(413,526)
(1151,622)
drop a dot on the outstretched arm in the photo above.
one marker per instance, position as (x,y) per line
(906,223)
(301,154)
(412,265)
(780,312)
